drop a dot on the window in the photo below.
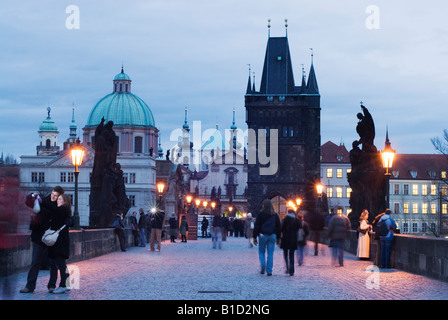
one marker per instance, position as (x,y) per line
(424,208)
(413,173)
(349,170)
(444,191)
(405,227)
(433,189)
(406,207)
(38,177)
(63,177)
(70,177)
(396,207)
(396,189)
(132,200)
(444,208)
(132,178)
(433,208)
(329,173)
(138,145)
(339,192)
(414,227)
(125,177)
(33,176)
(415,189)
(285,131)
(291,131)
(406,189)
(424,227)
(415,207)
(349,192)
(329,192)
(443,174)
(424,190)
(338,173)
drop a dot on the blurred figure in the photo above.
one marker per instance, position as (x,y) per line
(316,223)
(267,228)
(204,227)
(249,229)
(174,224)
(156,232)
(183,228)
(289,228)
(119,230)
(142,223)
(386,241)
(302,234)
(217,232)
(375,221)
(134,226)
(337,231)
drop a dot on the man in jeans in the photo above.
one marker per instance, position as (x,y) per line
(386,241)
(156,233)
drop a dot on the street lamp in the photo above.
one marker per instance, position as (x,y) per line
(387,155)
(160,187)
(77,154)
(320,189)
(298,201)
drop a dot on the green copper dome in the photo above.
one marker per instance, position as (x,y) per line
(48,124)
(122,107)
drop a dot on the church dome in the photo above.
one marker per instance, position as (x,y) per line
(122,107)
(48,124)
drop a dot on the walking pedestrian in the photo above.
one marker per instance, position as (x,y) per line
(142,227)
(289,228)
(156,232)
(183,228)
(302,234)
(337,231)
(386,240)
(119,230)
(363,250)
(267,228)
(60,251)
(39,223)
(249,229)
(174,224)
(204,227)
(316,223)
(217,233)
(134,226)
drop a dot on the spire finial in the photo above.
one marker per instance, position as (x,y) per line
(312,55)
(185,126)
(286,27)
(269,28)
(122,68)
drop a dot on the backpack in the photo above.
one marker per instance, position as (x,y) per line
(268,226)
(381,228)
(300,235)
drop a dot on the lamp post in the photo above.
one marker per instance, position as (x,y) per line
(77,154)
(387,155)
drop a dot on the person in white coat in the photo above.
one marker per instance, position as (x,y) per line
(363,250)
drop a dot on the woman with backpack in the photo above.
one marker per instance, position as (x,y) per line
(267,228)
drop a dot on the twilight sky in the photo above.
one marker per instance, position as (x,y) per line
(392,55)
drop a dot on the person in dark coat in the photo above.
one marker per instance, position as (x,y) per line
(39,223)
(316,223)
(174,225)
(290,226)
(60,251)
(119,230)
(267,228)
(142,223)
(302,234)
(135,231)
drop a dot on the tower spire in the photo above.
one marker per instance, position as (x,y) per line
(186,126)
(312,87)
(269,28)
(249,85)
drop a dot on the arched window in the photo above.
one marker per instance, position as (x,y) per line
(138,145)
(48,143)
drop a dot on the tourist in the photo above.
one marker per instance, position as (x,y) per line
(60,251)
(134,226)
(337,231)
(376,236)
(302,234)
(39,223)
(218,225)
(289,228)
(183,228)
(156,232)
(142,227)
(363,250)
(204,227)
(174,224)
(119,230)
(267,228)
(386,241)
(249,229)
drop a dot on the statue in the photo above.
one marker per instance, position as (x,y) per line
(107,189)
(366,178)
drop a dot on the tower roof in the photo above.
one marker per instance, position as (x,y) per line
(48,124)
(277,77)
(312,87)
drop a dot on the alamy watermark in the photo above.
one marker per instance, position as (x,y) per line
(73,20)
(373,280)
(373,20)
(211,147)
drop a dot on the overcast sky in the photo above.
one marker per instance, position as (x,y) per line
(392,56)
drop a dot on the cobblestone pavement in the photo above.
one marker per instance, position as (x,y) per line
(196,271)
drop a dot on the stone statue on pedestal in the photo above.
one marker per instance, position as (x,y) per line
(107,189)
(366,178)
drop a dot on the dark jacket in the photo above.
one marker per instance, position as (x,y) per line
(306,230)
(339,227)
(261,218)
(290,226)
(157,220)
(40,222)
(62,246)
(142,221)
